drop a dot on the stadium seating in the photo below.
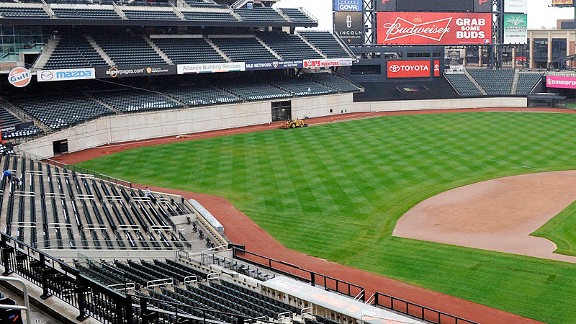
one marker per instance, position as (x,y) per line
(78,211)
(241,49)
(219,16)
(289,46)
(188,50)
(255,91)
(303,87)
(296,15)
(131,100)
(83,13)
(326,43)
(23,12)
(527,81)
(260,14)
(494,82)
(201,3)
(74,52)
(333,81)
(198,95)
(127,50)
(462,84)
(63,110)
(151,15)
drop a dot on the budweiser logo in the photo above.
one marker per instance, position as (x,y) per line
(433,30)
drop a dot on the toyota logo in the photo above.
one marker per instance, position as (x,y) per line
(394,68)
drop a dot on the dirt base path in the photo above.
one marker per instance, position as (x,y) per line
(240,229)
(496,215)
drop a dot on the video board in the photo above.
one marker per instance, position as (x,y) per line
(433,28)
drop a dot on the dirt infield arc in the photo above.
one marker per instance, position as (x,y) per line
(241,230)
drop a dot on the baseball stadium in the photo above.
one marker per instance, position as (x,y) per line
(222,161)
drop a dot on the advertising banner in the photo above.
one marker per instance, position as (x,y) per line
(272,65)
(436,68)
(386,5)
(211,67)
(435,5)
(320,63)
(349,26)
(122,72)
(516,6)
(482,5)
(347,5)
(562,3)
(433,28)
(65,74)
(515,29)
(19,77)
(562,82)
(408,69)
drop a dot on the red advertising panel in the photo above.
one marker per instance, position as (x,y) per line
(562,82)
(408,69)
(436,68)
(433,28)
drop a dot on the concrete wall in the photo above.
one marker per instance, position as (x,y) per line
(145,125)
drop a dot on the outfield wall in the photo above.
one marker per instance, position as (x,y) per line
(154,124)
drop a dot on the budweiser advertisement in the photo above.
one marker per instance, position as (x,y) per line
(434,28)
(408,69)
(562,82)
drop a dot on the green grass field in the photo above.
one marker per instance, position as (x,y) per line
(562,231)
(336,191)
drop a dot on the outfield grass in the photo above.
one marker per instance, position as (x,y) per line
(336,191)
(561,230)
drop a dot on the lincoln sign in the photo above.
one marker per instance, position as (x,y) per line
(408,69)
(433,28)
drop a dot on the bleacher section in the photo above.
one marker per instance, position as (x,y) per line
(83,13)
(289,46)
(220,16)
(527,81)
(326,43)
(129,50)
(495,82)
(463,85)
(23,12)
(62,110)
(151,15)
(240,49)
(260,14)
(74,52)
(10,122)
(51,208)
(131,100)
(500,82)
(188,50)
(296,15)
(198,95)
(333,81)
(255,91)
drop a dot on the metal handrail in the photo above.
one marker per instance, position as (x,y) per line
(26,306)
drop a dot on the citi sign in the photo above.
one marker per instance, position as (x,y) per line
(347,5)
(408,69)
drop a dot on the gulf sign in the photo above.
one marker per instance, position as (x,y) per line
(434,28)
(408,69)
(19,77)
(561,82)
